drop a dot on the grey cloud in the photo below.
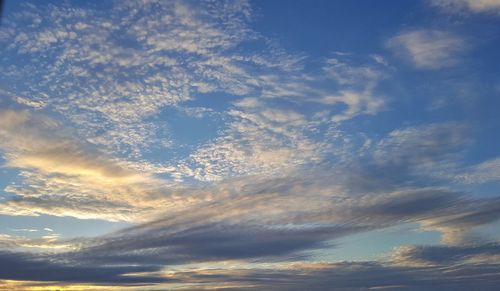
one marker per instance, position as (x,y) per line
(356,276)
(296,276)
(446,255)
(207,243)
(422,145)
(32,267)
(407,205)
(474,212)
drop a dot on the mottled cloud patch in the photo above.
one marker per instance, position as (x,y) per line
(260,138)
(121,68)
(111,74)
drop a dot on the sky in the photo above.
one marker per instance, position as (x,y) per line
(250,145)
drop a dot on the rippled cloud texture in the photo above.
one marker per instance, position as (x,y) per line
(250,145)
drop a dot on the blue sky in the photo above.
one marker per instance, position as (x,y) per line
(263,145)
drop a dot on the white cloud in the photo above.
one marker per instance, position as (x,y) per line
(346,74)
(428,49)
(31,103)
(356,102)
(358,84)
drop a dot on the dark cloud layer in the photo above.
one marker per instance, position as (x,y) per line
(446,255)
(339,276)
(32,267)
(364,276)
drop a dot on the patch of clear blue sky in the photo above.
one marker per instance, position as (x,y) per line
(187,131)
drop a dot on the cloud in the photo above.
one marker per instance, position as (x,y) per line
(358,194)
(50,242)
(446,255)
(26,266)
(263,219)
(428,49)
(262,139)
(31,103)
(259,139)
(428,147)
(457,223)
(279,180)
(477,6)
(65,176)
(346,74)
(348,276)
(274,220)
(369,193)
(487,171)
(122,68)
(357,88)
(114,65)
(297,275)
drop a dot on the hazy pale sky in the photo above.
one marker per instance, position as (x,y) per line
(256,145)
